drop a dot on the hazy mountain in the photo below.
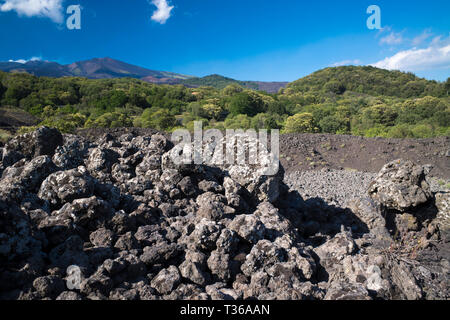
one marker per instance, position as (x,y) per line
(98,68)
(107,68)
(221,82)
(37,68)
(103,68)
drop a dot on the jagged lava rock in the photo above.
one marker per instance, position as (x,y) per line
(400,185)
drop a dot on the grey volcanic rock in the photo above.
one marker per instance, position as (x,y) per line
(100,162)
(347,291)
(117,218)
(334,251)
(443,205)
(71,155)
(403,278)
(258,179)
(400,185)
(25,176)
(166,280)
(40,142)
(69,296)
(249,227)
(49,286)
(212,206)
(336,187)
(65,186)
(102,237)
(371,215)
(194,268)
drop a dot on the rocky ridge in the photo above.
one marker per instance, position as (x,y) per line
(114,218)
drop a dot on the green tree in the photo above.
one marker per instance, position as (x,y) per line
(241,121)
(333,124)
(66,123)
(161,119)
(447,86)
(422,131)
(442,118)
(400,131)
(243,103)
(110,120)
(335,87)
(276,107)
(212,111)
(415,110)
(380,114)
(301,122)
(232,89)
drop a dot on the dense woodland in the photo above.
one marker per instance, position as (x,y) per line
(362,101)
(217,81)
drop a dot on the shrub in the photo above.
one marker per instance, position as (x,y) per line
(243,103)
(110,120)
(4,135)
(161,119)
(333,124)
(66,123)
(422,131)
(241,121)
(400,131)
(301,122)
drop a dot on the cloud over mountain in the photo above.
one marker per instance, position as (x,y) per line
(435,56)
(51,9)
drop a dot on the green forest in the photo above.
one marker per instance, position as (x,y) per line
(363,101)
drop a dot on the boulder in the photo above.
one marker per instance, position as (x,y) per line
(347,291)
(166,280)
(40,142)
(443,205)
(401,186)
(65,186)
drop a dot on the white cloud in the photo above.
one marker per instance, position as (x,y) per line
(436,40)
(435,56)
(162,12)
(35,8)
(346,63)
(23,61)
(392,39)
(422,37)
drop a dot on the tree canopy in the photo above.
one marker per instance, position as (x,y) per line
(347,100)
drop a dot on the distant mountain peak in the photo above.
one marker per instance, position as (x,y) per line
(108,68)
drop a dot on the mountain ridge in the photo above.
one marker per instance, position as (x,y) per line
(108,68)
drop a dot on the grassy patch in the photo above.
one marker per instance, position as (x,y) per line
(5,135)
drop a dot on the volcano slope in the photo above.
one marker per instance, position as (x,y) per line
(115,218)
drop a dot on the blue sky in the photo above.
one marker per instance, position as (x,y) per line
(262,40)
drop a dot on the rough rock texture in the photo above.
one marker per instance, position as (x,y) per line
(116,218)
(400,185)
(443,205)
(40,142)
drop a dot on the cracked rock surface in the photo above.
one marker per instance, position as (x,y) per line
(111,217)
